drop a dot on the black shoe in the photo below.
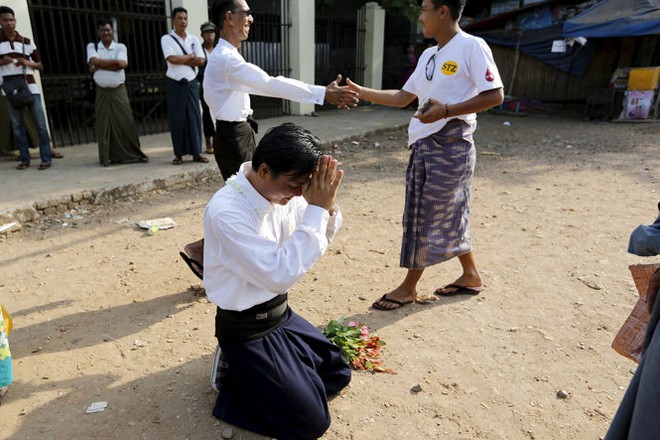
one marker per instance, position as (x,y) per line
(196,267)
(219,370)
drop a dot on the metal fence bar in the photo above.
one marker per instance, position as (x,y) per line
(360,36)
(62,30)
(338,47)
(286,59)
(399,31)
(268,48)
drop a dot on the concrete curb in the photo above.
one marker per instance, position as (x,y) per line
(32,212)
(84,200)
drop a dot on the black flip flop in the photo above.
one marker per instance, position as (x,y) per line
(384,299)
(458,290)
(195,266)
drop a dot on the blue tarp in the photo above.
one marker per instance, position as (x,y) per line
(537,43)
(616,18)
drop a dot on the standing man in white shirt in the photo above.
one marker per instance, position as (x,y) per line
(229,80)
(19,57)
(209,33)
(263,230)
(457,78)
(184,56)
(115,127)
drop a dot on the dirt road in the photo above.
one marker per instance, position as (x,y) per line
(104,312)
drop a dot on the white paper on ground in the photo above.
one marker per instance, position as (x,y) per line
(162,223)
(96,407)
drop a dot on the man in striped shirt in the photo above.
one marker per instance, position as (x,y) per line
(20,57)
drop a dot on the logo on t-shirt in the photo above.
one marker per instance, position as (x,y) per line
(489,76)
(449,67)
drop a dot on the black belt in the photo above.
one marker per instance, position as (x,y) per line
(182,81)
(250,120)
(29,77)
(253,323)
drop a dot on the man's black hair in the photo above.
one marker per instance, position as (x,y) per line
(7,10)
(219,9)
(455,7)
(103,22)
(177,10)
(288,149)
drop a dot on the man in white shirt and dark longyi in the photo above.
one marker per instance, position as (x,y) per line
(116,132)
(184,55)
(229,81)
(263,230)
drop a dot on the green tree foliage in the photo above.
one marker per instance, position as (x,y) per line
(408,8)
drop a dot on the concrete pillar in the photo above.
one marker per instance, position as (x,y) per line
(197,14)
(302,48)
(374,45)
(24,27)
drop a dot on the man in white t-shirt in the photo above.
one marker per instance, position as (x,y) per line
(453,81)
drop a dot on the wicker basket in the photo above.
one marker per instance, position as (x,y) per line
(630,338)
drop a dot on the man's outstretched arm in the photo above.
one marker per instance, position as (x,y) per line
(341,96)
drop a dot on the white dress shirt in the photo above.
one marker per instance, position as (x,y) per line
(229,79)
(255,250)
(116,51)
(191,44)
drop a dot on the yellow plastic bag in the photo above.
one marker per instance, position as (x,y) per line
(7,318)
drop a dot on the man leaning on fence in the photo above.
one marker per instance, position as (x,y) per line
(19,58)
(115,128)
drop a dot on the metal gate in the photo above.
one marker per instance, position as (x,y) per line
(340,40)
(268,48)
(62,29)
(399,32)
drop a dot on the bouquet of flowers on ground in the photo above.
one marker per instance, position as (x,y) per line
(360,348)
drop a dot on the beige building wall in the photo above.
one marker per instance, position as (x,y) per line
(197,14)
(374,46)
(302,48)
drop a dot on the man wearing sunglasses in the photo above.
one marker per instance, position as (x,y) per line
(229,80)
(453,81)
